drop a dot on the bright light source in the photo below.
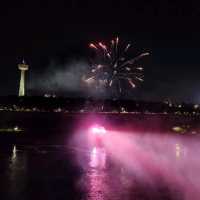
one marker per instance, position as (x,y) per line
(16,128)
(98,130)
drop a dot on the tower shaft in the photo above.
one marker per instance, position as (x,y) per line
(22,84)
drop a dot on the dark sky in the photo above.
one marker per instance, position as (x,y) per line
(42,31)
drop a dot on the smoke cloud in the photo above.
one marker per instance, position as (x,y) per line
(65,80)
(150,165)
(160,161)
(60,79)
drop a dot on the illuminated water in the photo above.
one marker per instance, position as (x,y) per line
(143,164)
(52,172)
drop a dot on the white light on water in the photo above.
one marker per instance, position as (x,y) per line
(14,153)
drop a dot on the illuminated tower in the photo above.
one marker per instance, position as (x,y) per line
(23,67)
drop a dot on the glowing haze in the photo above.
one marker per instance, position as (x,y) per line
(65,80)
(159,161)
(60,79)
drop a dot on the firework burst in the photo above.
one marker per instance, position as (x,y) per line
(113,66)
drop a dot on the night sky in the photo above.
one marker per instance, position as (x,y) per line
(59,32)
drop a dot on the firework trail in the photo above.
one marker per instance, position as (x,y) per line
(113,66)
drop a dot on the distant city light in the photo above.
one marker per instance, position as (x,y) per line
(196,106)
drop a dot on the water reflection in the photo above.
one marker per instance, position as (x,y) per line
(30,173)
(178,150)
(102,182)
(96,177)
(98,158)
(17,173)
(14,154)
(97,185)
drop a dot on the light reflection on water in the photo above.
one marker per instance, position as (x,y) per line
(178,150)
(96,177)
(97,185)
(104,183)
(14,154)
(98,158)
(41,172)
(16,173)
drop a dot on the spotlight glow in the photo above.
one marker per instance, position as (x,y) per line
(98,130)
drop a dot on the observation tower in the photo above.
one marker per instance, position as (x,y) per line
(23,67)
